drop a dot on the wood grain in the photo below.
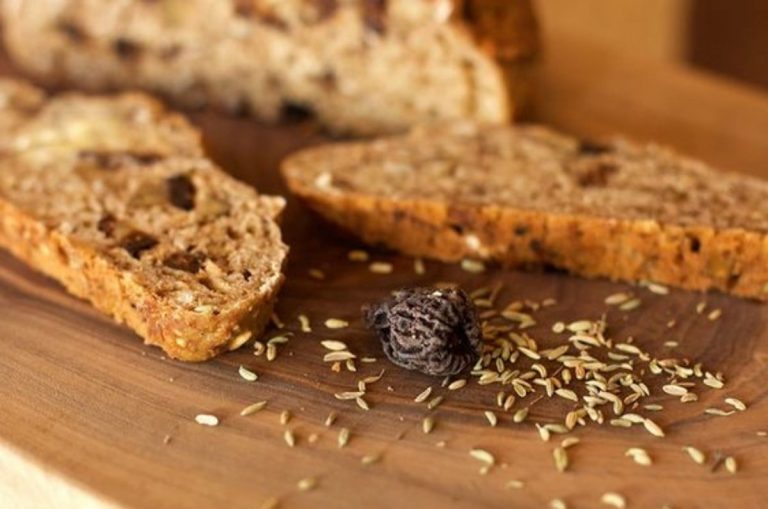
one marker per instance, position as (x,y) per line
(87,407)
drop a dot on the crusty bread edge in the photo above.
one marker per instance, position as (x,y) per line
(691,257)
(183,334)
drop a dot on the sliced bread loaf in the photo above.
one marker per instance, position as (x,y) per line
(527,195)
(361,66)
(112,197)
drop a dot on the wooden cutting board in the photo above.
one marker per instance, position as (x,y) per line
(89,417)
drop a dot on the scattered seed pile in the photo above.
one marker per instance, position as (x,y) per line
(584,371)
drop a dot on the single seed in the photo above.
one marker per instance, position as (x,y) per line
(271,352)
(731,465)
(653,428)
(316,274)
(457,384)
(418,266)
(696,455)
(557,503)
(252,409)
(306,484)
(579,326)
(247,374)
(434,402)
(491,417)
(338,356)
(558,327)
(427,425)
(336,323)
(561,459)
(483,455)
(304,322)
(270,503)
(630,305)
(370,459)
(207,419)
(423,395)
(617,298)
(313,437)
(514,484)
(653,407)
(713,382)
(238,341)
(569,442)
(330,419)
(700,307)
(736,403)
(674,390)
(473,266)
(285,416)
(345,396)
(289,438)
(715,314)
(567,394)
(639,456)
(381,268)
(334,346)
(362,404)
(358,255)
(543,432)
(718,412)
(520,415)
(343,438)
(614,500)
(658,289)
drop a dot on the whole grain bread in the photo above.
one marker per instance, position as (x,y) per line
(527,195)
(112,197)
(361,66)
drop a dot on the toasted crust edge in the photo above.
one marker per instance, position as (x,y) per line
(182,334)
(698,258)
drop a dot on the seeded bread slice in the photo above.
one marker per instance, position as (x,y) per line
(362,66)
(527,195)
(112,197)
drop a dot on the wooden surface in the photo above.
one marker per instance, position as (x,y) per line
(86,407)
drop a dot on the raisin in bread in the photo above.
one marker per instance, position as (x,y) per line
(527,195)
(362,66)
(112,197)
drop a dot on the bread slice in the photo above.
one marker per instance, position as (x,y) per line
(112,197)
(527,195)
(362,66)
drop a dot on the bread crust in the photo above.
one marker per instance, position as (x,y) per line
(116,285)
(64,44)
(696,257)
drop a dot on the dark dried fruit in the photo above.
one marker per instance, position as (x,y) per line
(187,262)
(107,224)
(137,242)
(374,14)
(72,31)
(181,192)
(433,331)
(292,112)
(594,147)
(596,175)
(126,49)
(325,9)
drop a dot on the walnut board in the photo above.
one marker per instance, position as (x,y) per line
(86,407)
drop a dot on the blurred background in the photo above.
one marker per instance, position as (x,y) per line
(728,37)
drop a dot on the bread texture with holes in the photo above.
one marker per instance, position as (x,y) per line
(361,66)
(530,196)
(113,197)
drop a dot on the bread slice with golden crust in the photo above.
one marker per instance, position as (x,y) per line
(361,66)
(112,197)
(527,195)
